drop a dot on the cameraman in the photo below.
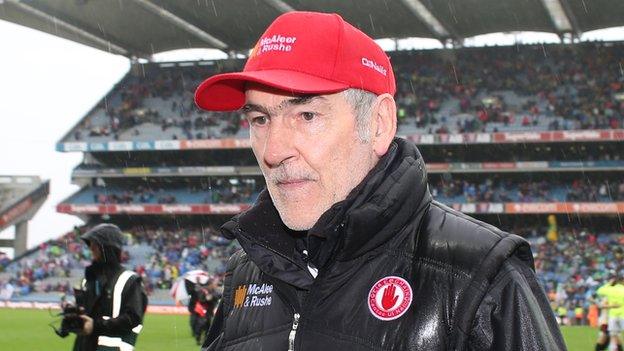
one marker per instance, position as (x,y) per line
(113,298)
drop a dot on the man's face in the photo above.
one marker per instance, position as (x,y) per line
(308,149)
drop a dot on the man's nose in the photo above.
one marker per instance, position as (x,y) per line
(280,143)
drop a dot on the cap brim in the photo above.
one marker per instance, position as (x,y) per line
(86,240)
(226,92)
(89,236)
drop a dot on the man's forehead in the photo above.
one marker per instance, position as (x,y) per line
(254,87)
(275,99)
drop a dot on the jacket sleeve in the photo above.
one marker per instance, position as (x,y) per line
(133,304)
(515,314)
(215,333)
(190,289)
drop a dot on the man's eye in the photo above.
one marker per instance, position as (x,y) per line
(259,120)
(308,116)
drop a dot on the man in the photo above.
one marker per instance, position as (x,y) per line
(346,250)
(204,296)
(113,298)
(613,294)
(195,309)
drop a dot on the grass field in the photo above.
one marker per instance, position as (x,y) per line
(29,330)
(22,329)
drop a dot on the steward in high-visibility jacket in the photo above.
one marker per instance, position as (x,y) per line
(113,298)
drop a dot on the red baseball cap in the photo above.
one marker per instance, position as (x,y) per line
(306,53)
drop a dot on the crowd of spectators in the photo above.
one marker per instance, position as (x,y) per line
(138,194)
(574,266)
(583,190)
(495,189)
(125,108)
(218,190)
(570,267)
(491,188)
(579,83)
(54,258)
(241,191)
(178,251)
(175,252)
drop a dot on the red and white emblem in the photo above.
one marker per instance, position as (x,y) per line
(390,298)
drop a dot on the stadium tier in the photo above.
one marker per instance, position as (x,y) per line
(444,96)
(18,194)
(572,268)
(20,198)
(159,254)
(569,177)
(204,194)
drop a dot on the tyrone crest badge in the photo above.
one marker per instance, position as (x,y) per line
(390,298)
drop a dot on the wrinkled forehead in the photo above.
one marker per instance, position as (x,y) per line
(270,99)
(252,87)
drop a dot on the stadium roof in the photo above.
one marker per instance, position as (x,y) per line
(140,28)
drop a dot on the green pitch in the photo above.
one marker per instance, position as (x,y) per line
(29,330)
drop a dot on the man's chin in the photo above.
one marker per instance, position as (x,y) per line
(297,226)
(296,223)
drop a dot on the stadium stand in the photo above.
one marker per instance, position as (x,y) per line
(519,92)
(528,88)
(506,190)
(572,268)
(183,190)
(491,189)
(176,252)
(159,254)
(20,199)
(513,135)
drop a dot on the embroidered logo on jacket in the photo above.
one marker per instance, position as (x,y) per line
(239,296)
(389,298)
(253,295)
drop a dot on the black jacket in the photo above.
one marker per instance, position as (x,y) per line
(97,299)
(452,282)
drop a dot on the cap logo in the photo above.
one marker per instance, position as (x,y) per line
(277,42)
(390,298)
(374,65)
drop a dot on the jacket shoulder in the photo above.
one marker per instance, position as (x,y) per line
(465,243)
(132,278)
(239,257)
(240,268)
(477,250)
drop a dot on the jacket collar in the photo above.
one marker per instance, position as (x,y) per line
(393,192)
(390,196)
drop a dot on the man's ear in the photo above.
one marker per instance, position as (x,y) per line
(384,123)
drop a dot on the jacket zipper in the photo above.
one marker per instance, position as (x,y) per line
(293,332)
(296,316)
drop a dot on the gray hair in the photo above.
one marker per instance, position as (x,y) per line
(361,102)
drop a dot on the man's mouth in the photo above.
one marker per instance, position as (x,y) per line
(293,184)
